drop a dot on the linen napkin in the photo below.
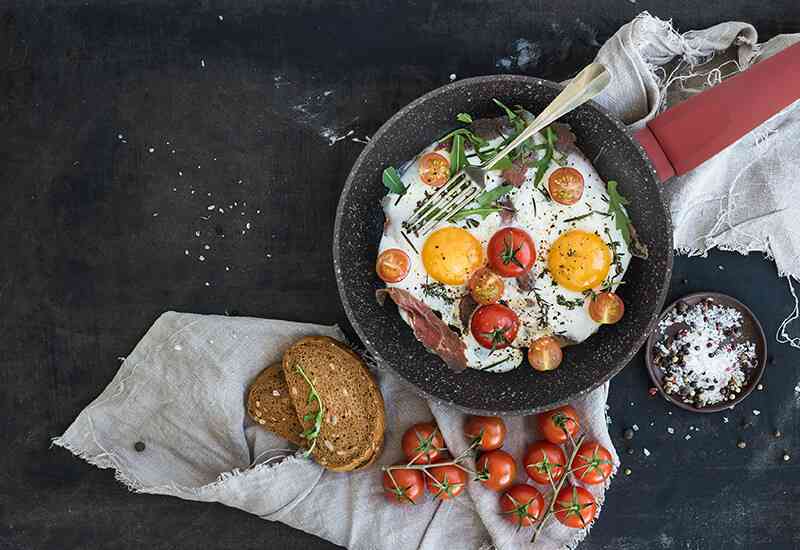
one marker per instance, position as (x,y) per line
(173,422)
(180,396)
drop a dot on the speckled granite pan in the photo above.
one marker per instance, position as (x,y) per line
(359,222)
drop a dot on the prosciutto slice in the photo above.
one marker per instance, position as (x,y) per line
(434,333)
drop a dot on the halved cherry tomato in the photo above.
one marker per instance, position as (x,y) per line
(559,425)
(511,252)
(403,486)
(522,505)
(486,286)
(489,430)
(593,463)
(565,185)
(447,482)
(422,443)
(434,169)
(496,470)
(392,265)
(606,308)
(544,461)
(494,326)
(575,506)
(545,354)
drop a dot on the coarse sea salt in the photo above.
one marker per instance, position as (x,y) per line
(701,363)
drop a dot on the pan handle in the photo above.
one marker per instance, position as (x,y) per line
(695,130)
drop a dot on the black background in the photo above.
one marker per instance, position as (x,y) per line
(87,265)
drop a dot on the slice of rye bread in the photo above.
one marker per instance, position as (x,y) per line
(269,404)
(351,434)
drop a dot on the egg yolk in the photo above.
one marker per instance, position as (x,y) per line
(579,260)
(451,254)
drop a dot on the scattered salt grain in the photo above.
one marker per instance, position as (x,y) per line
(186,251)
(151,150)
(155,214)
(208,284)
(220,17)
(721,268)
(211,207)
(180,173)
(227,268)
(646,452)
(452,76)
(247,225)
(687,437)
(205,246)
(119,136)
(201,258)
(756,412)
(196,233)
(203,63)
(177,347)
(671,430)
(760,387)
(725,419)
(635,427)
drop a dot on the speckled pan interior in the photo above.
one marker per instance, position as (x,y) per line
(359,222)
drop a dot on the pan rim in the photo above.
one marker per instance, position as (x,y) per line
(337,232)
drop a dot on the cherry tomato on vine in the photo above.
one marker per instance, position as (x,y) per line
(511,252)
(542,457)
(490,430)
(447,482)
(559,425)
(423,443)
(486,286)
(522,505)
(593,463)
(545,354)
(403,486)
(496,470)
(575,506)
(606,308)
(392,265)
(434,169)
(494,326)
(565,185)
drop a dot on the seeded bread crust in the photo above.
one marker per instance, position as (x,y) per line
(269,405)
(353,424)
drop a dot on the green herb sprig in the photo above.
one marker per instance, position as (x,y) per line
(312,433)
(486,204)
(615,206)
(392,181)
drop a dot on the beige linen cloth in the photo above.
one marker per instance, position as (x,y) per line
(181,390)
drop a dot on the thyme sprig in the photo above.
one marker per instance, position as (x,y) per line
(311,434)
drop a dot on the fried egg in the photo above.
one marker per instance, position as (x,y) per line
(578,249)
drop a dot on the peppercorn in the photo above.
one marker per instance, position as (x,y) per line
(139,446)
(777,433)
(786,457)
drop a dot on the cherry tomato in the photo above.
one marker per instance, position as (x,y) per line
(522,505)
(403,486)
(494,326)
(434,169)
(606,308)
(542,457)
(422,443)
(593,463)
(496,470)
(545,354)
(449,481)
(392,265)
(559,425)
(575,506)
(565,185)
(511,252)
(490,430)
(486,286)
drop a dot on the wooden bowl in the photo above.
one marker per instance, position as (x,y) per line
(751,331)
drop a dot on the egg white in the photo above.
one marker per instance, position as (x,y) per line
(539,311)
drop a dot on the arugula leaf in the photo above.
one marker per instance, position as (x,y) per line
(467,212)
(615,204)
(509,113)
(503,164)
(488,198)
(464,117)
(392,181)
(457,159)
(544,163)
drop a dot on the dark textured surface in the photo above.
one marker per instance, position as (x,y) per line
(359,225)
(86,267)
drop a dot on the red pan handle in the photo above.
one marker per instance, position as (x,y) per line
(695,130)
